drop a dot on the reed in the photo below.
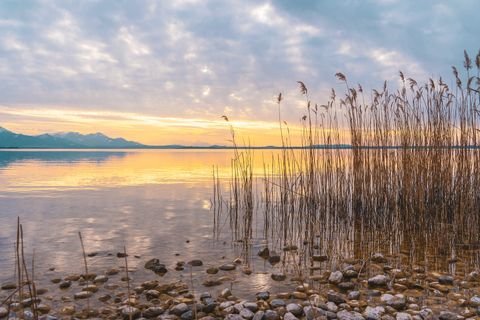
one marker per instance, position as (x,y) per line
(395,171)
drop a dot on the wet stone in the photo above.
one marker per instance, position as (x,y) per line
(274,259)
(271,315)
(196,263)
(233,316)
(475,301)
(278,276)
(276,303)
(179,309)
(374,313)
(258,315)
(252,306)
(82,295)
(227,267)
(264,253)
(289,316)
(9,286)
(313,312)
(212,282)
(354,295)
(212,270)
(129,312)
(100,279)
(295,309)
(447,315)
(3,312)
(378,258)
(246,314)
(403,316)
(346,315)
(445,280)
(346,286)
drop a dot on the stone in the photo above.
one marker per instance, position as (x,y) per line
(373,313)
(332,307)
(354,295)
(129,312)
(258,315)
(299,295)
(149,285)
(212,282)
(475,301)
(187,315)
(447,315)
(278,276)
(252,306)
(9,286)
(378,258)
(312,313)
(335,277)
(295,309)
(225,293)
(289,316)
(196,263)
(446,280)
(378,281)
(346,286)
(212,270)
(264,253)
(271,315)
(100,279)
(3,312)
(152,294)
(156,266)
(43,308)
(65,284)
(112,272)
(403,316)
(246,314)
(274,259)
(264,295)
(179,309)
(397,302)
(82,295)
(319,258)
(335,297)
(346,315)
(276,303)
(227,267)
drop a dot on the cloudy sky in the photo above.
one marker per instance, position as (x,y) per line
(165,71)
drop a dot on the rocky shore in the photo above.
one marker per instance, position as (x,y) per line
(371,289)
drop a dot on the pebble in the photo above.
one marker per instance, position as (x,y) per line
(179,309)
(252,306)
(378,281)
(264,295)
(335,297)
(9,286)
(475,301)
(403,316)
(335,277)
(374,313)
(289,316)
(129,312)
(3,312)
(445,280)
(227,267)
(258,315)
(212,282)
(246,314)
(100,279)
(378,258)
(82,295)
(276,303)
(346,315)
(447,315)
(354,295)
(295,309)
(274,259)
(212,270)
(196,263)
(271,315)
(278,276)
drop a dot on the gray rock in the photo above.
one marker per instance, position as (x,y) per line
(227,267)
(373,313)
(129,312)
(233,316)
(156,266)
(289,316)
(475,301)
(271,315)
(445,279)
(82,295)
(179,309)
(252,306)
(354,295)
(65,284)
(152,294)
(187,315)
(153,312)
(332,307)
(278,276)
(313,312)
(397,302)
(403,316)
(210,305)
(3,312)
(378,281)
(295,309)
(335,277)
(100,279)
(196,263)
(246,314)
(258,315)
(225,293)
(264,295)
(276,303)
(346,315)
(346,286)
(335,297)
(447,315)
(378,258)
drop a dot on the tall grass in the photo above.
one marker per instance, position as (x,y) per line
(407,185)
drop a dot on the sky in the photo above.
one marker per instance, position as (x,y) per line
(164,72)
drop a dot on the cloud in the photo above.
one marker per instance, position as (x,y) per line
(182,58)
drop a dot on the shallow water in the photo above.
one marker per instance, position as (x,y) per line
(157,203)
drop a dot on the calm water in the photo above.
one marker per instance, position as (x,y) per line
(156,202)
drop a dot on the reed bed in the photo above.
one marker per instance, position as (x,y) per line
(407,183)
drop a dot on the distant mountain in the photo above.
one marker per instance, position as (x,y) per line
(97,140)
(68,140)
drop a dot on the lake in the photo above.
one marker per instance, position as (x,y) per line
(157,203)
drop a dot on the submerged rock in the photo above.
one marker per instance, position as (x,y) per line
(278,276)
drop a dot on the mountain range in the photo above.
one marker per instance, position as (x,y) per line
(67,140)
